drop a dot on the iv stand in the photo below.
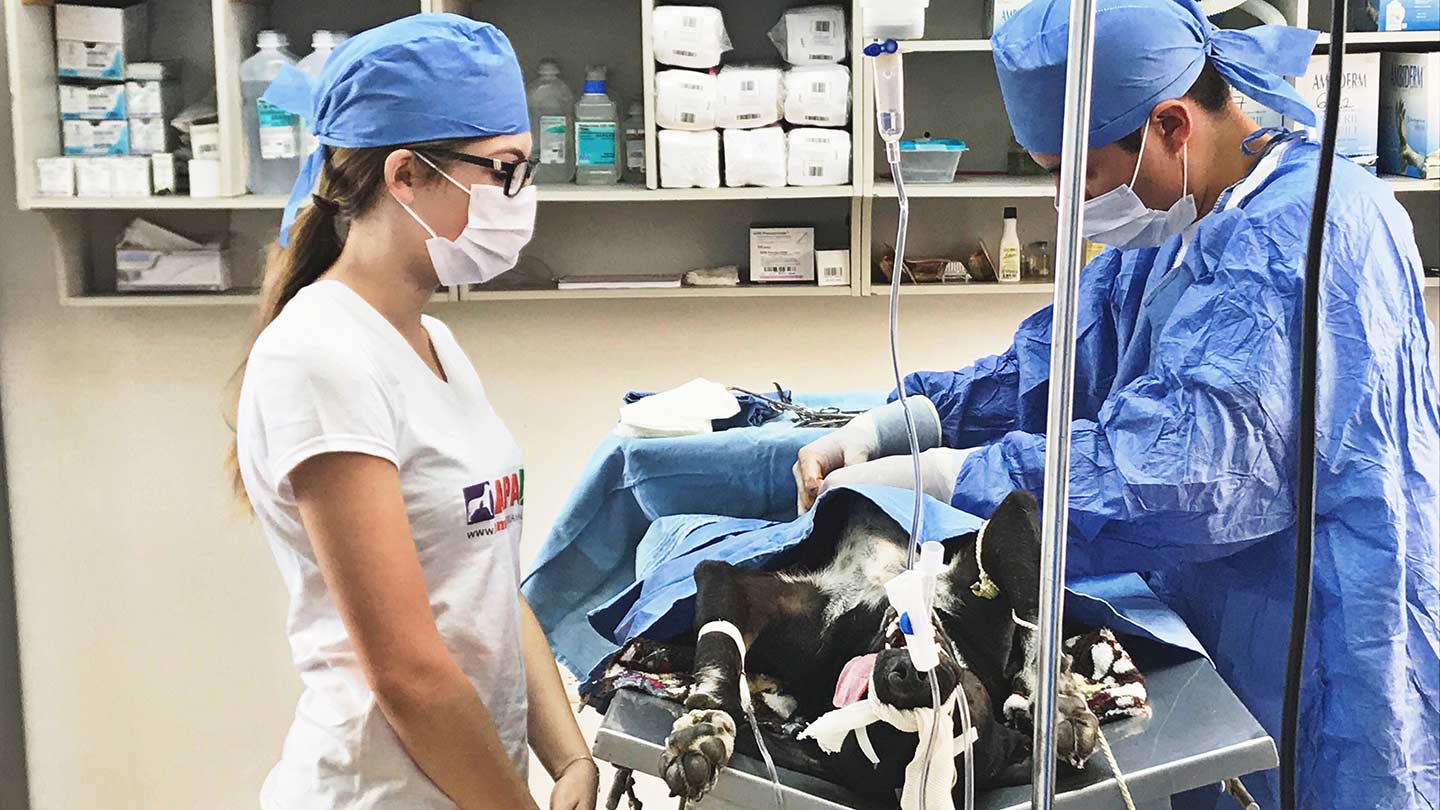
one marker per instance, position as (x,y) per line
(1069,261)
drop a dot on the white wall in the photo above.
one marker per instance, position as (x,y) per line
(151,618)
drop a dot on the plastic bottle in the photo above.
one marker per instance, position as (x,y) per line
(1009,270)
(635,143)
(272,136)
(552,111)
(598,141)
(322,44)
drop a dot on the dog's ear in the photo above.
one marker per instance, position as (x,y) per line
(1019,513)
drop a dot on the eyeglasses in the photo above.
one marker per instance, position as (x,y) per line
(516,176)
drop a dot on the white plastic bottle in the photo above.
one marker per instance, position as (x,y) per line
(322,44)
(635,143)
(1009,271)
(552,110)
(272,135)
(597,133)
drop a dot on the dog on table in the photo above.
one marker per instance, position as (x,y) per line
(822,627)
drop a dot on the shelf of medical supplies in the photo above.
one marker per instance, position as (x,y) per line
(1432,283)
(749,291)
(945,46)
(1385,40)
(176,203)
(980,186)
(973,288)
(1402,185)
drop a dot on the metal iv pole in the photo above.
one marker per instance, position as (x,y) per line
(1070,259)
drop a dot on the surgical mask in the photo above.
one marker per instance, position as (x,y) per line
(1118,218)
(499,227)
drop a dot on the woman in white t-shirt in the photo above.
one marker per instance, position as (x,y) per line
(390,491)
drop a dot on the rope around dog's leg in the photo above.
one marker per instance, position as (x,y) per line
(1115,769)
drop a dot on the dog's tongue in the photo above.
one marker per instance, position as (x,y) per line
(854,680)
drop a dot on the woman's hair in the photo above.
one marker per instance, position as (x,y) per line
(1210,91)
(351,183)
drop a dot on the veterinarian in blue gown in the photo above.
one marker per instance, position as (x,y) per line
(1184,450)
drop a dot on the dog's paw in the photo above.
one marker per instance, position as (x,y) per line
(700,745)
(1077,730)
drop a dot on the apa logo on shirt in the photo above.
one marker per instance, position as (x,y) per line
(491,505)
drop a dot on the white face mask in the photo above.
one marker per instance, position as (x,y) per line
(498,229)
(1118,218)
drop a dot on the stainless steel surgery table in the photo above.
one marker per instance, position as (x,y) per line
(1198,735)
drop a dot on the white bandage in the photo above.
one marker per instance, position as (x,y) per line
(726,628)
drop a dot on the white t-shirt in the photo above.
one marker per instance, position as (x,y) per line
(330,374)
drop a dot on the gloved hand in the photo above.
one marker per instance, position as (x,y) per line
(939,467)
(874,434)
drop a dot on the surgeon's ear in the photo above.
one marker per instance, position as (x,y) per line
(1174,122)
(401,175)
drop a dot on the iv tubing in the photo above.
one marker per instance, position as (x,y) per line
(1062,382)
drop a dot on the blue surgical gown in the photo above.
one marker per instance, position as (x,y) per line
(1184,459)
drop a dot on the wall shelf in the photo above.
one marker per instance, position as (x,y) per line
(975,288)
(987,187)
(798,291)
(1384,40)
(945,46)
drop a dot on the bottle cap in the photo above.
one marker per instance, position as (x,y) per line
(272,39)
(1011,212)
(548,68)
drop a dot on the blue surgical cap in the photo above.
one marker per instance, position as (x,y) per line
(1146,52)
(426,77)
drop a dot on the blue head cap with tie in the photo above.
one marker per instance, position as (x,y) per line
(1146,52)
(426,77)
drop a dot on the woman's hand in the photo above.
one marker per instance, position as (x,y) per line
(578,787)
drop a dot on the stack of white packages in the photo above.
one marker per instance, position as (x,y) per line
(689,159)
(685,99)
(749,97)
(819,157)
(755,157)
(818,96)
(689,36)
(813,35)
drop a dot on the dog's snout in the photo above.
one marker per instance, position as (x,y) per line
(898,683)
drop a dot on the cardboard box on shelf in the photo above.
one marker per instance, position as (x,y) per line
(1395,15)
(832,268)
(149,258)
(152,99)
(169,173)
(55,177)
(96,138)
(150,136)
(1359,104)
(105,102)
(782,254)
(1410,114)
(92,42)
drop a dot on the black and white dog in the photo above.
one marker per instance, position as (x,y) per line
(827,607)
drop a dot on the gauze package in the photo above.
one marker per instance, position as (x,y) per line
(685,100)
(1410,114)
(813,35)
(755,157)
(748,97)
(689,159)
(819,157)
(689,36)
(818,96)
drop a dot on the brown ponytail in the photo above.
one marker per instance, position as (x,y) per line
(351,182)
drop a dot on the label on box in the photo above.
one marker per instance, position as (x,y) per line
(1409,142)
(832,268)
(594,143)
(782,254)
(554,132)
(1003,10)
(89,60)
(96,138)
(279,134)
(1359,101)
(81,103)
(148,136)
(55,177)
(1403,15)
(205,141)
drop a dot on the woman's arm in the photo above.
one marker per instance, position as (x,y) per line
(554,734)
(354,515)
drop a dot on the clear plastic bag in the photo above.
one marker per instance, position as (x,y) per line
(689,36)
(812,35)
(749,97)
(818,96)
